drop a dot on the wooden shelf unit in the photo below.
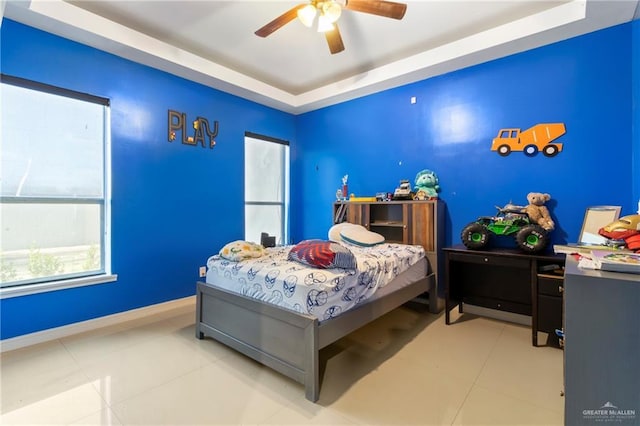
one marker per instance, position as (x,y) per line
(403,222)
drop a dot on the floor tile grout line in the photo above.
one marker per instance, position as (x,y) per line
(105,403)
(475,380)
(527,401)
(207,364)
(119,329)
(474,385)
(507,326)
(91,381)
(136,395)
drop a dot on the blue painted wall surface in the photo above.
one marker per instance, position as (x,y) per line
(173,205)
(377,140)
(635,58)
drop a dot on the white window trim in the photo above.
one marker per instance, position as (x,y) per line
(285,203)
(27,289)
(107,276)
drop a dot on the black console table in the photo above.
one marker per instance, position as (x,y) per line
(505,280)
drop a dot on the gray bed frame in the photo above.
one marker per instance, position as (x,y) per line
(284,340)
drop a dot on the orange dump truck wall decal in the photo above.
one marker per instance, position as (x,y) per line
(540,137)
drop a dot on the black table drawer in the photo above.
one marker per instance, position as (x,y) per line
(550,285)
(498,304)
(489,260)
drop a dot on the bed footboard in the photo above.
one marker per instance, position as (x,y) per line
(287,341)
(283,340)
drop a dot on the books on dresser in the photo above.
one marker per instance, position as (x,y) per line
(579,248)
(616,261)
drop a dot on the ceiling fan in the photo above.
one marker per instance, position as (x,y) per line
(328,12)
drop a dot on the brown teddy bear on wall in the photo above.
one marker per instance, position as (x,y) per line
(537,211)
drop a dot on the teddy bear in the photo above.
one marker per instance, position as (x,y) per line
(537,211)
(427,185)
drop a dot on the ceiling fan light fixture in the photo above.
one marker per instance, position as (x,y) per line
(307,14)
(331,10)
(324,24)
(328,12)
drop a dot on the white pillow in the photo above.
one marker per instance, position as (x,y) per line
(360,236)
(241,250)
(335,230)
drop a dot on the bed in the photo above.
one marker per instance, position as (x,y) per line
(282,313)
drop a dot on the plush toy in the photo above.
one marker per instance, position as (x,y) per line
(537,211)
(427,185)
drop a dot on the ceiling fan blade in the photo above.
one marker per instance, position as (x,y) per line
(280,21)
(388,9)
(334,40)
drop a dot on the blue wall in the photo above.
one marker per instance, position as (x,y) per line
(635,58)
(173,204)
(584,82)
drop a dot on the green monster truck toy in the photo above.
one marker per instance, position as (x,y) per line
(509,221)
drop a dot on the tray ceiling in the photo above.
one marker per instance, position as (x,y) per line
(213,42)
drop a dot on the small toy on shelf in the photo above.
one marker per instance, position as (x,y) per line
(427,185)
(361,199)
(403,192)
(345,187)
(382,196)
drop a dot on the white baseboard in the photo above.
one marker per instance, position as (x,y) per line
(92,324)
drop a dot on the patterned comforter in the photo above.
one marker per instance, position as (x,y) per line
(322,293)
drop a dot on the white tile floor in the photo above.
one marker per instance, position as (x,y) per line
(407,368)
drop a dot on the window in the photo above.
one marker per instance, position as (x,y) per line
(266,179)
(54,168)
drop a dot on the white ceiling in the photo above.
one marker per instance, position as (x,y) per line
(213,42)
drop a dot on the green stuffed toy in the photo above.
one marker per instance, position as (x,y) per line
(427,185)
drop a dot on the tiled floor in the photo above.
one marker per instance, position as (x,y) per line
(407,368)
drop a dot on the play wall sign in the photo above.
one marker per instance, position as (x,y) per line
(609,413)
(203,133)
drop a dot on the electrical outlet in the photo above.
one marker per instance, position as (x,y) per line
(203,271)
